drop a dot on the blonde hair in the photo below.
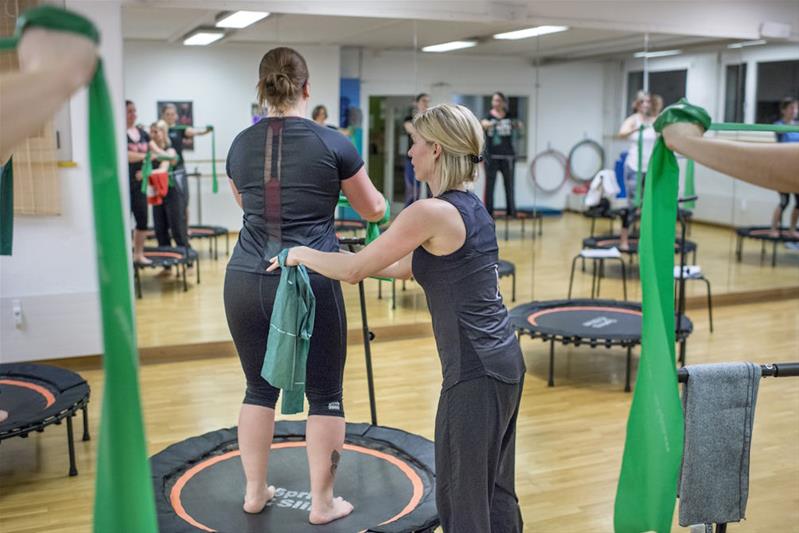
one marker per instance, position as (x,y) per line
(164,127)
(460,136)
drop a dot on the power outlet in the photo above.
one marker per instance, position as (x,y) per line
(16,311)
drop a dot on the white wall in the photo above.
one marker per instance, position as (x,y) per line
(563,100)
(220,80)
(721,199)
(52,272)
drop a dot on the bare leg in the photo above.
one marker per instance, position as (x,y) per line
(793,229)
(776,221)
(325,437)
(138,248)
(256,428)
(3,415)
(624,239)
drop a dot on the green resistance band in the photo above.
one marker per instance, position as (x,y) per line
(124,498)
(639,167)
(6,207)
(372,228)
(214,180)
(653,447)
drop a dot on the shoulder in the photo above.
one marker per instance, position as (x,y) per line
(430,210)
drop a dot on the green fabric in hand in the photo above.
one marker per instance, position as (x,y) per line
(290,335)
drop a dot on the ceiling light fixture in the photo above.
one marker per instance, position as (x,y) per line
(661,53)
(536,31)
(240,19)
(448,47)
(202,37)
(743,44)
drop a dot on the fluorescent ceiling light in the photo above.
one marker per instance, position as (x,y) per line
(203,37)
(661,53)
(241,19)
(447,47)
(747,43)
(530,32)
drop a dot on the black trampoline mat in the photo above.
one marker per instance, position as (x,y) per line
(764,233)
(23,399)
(588,322)
(379,485)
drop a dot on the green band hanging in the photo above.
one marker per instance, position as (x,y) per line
(639,167)
(647,486)
(737,126)
(124,499)
(6,207)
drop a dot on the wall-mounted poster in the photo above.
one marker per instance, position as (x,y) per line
(185,111)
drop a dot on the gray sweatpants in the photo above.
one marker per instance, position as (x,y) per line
(475,457)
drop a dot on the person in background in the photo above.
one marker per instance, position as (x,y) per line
(789,109)
(169,215)
(413,188)
(499,126)
(319,115)
(630,128)
(657,105)
(138,144)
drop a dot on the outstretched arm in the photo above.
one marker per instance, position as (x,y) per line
(769,165)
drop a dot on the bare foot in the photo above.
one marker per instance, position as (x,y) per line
(339,509)
(255,503)
(3,415)
(142,260)
(774,233)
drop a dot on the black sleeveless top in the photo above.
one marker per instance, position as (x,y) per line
(472,330)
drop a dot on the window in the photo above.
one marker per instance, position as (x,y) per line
(775,81)
(669,84)
(480,105)
(734,93)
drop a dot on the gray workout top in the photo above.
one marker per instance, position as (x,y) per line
(472,330)
(294,202)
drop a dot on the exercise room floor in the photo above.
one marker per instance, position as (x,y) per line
(570,438)
(167,316)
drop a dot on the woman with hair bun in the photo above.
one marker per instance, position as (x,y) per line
(449,244)
(286,173)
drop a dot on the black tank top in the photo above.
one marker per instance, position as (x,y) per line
(472,330)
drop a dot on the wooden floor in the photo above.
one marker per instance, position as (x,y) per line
(167,316)
(570,437)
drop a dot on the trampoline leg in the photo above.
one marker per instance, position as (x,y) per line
(183,272)
(551,382)
(593,225)
(721,528)
(762,251)
(379,290)
(739,248)
(393,294)
(367,352)
(593,278)
(197,264)
(774,254)
(522,229)
(709,304)
(540,226)
(682,353)
(571,277)
(86,435)
(73,471)
(600,274)
(513,287)
(629,369)
(403,285)
(623,278)
(507,224)
(216,247)
(227,244)
(137,281)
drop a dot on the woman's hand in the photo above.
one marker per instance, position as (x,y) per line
(673,134)
(292,259)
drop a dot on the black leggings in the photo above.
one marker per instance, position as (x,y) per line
(138,205)
(504,165)
(785,198)
(169,219)
(249,298)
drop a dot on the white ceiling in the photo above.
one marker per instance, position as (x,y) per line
(172,24)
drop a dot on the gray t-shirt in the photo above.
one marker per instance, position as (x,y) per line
(309,161)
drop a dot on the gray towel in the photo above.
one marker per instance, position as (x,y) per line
(719,402)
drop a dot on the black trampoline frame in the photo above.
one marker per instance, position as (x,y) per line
(523,327)
(188,255)
(745,232)
(523,215)
(22,370)
(212,236)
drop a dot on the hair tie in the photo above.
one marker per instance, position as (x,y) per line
(476,158)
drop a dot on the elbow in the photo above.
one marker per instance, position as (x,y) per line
(376,211)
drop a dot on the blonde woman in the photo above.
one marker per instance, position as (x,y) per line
(449,244)
(168,218)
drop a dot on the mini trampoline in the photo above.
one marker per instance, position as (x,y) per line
(594,323)
(212,233)
(611,214)
(506,268)
(387,474)
(763,234)
(37,396)
(614,241)
(166,257)
(524,214)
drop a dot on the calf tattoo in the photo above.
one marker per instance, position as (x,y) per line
(335,457)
